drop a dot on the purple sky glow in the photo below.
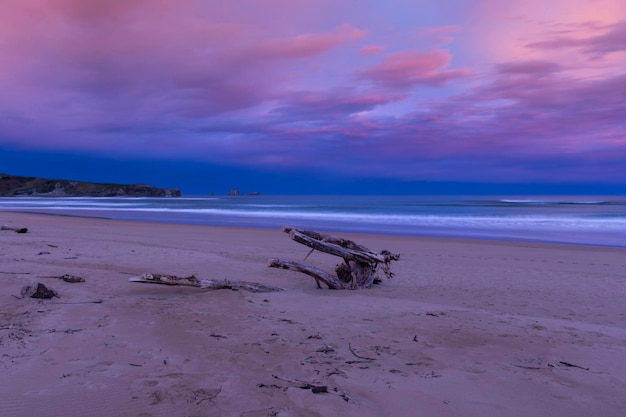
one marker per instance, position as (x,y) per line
(476,91)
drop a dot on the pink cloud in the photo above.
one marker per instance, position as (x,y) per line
(410,68)
(328,105)
(612,40)
(368,50)
(443,30)
(442,34)
(534,68)
(308,44)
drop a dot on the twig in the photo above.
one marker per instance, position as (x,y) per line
(308,254)
(357,355)
(571,365)
(209,397)
(66,277)
(301,384)
(527,366)
(315,389)
(79,302)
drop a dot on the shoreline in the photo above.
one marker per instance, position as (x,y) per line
(465,328)
(330,231)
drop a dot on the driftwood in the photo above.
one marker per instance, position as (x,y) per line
(358,269)
(315,388)
(214,284)
(72,279)
(38,290)
(14,229)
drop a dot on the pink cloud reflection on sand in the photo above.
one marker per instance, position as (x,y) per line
(499,92)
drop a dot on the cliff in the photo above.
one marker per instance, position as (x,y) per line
(11,186)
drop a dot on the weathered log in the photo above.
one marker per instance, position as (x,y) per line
(358,269)
(38,290)
(193,281)
(357,274)
(14,229)
(332,246)
(344,243)
(319,275)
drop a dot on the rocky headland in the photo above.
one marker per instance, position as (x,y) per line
(12,186)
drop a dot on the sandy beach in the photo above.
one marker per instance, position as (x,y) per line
(465,328)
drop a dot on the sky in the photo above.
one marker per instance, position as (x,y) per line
(317,96)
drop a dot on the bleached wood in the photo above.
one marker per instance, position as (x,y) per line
(359,263)
(193,281)
(318,274)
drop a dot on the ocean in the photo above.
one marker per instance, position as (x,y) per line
(589,220)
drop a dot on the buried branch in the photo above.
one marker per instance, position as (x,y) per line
(14,229)
(214,284)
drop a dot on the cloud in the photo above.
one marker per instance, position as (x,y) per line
(368,50)
(613,39)
(309,85)
(535,68)
(442,34)
(413,67)
(330,105)
(308,44)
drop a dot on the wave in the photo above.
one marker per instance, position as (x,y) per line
(203,215)
(573,219)
(553,202)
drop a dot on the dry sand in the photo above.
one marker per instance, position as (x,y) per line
(466,328)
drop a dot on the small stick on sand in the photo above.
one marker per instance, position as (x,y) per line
(571,365)
(66,277)
(14,229)
(359,356)
(315,389)
(79,302)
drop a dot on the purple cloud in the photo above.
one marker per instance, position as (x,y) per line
(309,87)
(613,39)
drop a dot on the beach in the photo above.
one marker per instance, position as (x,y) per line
(465,327)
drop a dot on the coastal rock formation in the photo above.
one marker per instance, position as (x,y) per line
(235,191)
(11,186)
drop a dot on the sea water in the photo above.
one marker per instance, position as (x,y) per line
(580,220)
